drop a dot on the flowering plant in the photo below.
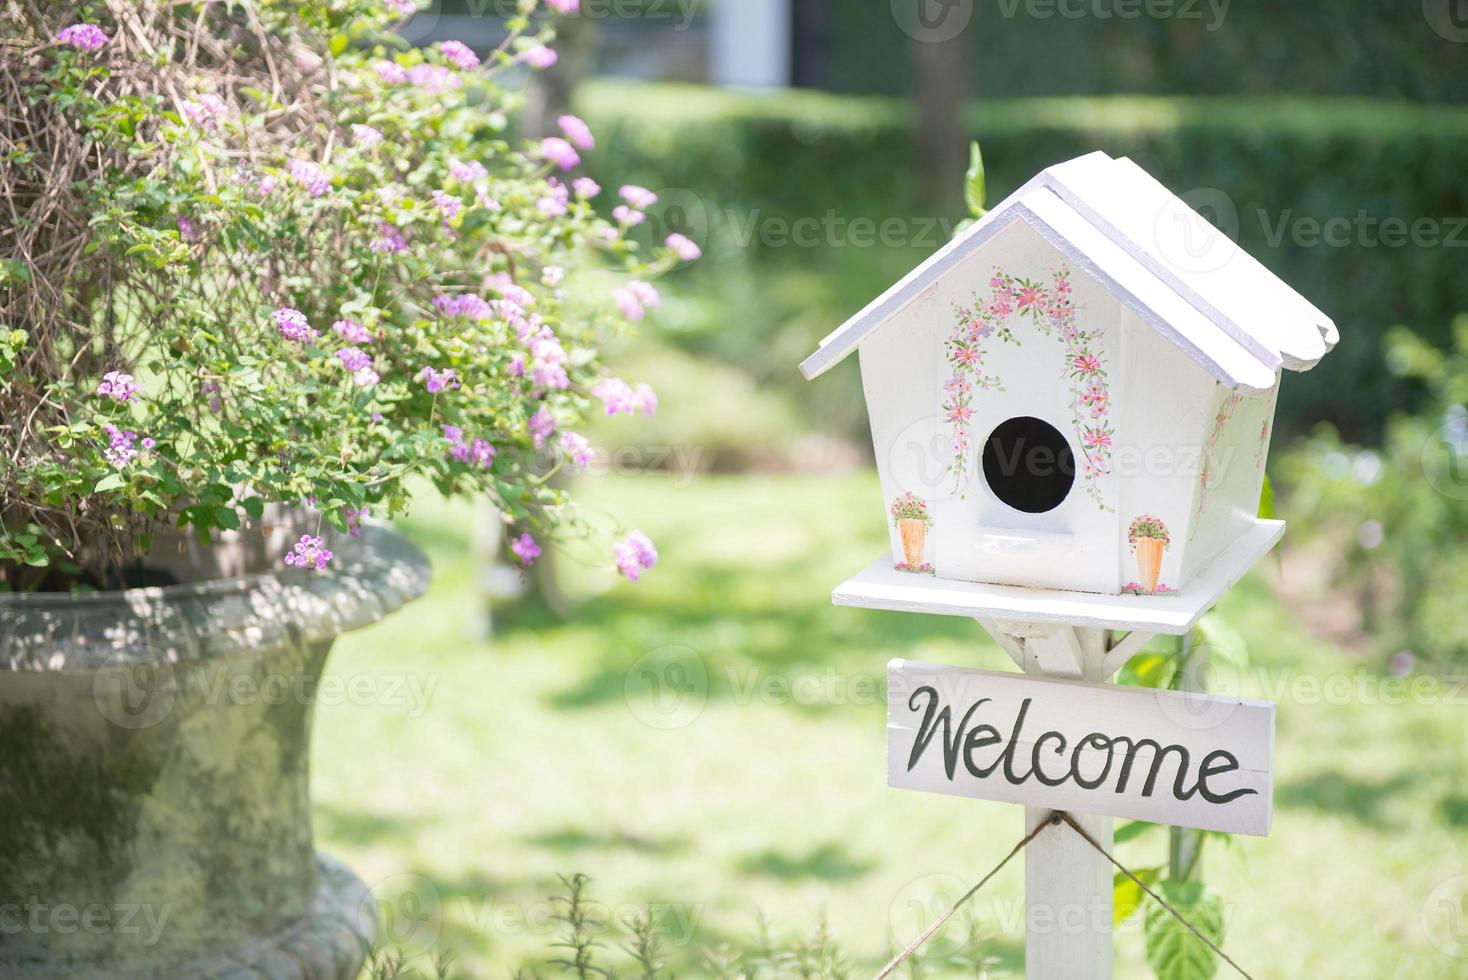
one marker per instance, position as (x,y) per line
(910,507)
(264,252)
(1148,526)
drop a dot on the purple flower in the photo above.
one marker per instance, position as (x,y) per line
(117,386)
(87,37)
(390,242)
(539,56)
(577,448)
(405,8)
(352,332)
(459,54)
(293,326)
(481,453)
(353,519)
(205,111)
(186,229)
(516,367)
(120,449)
(366,136)
(511,291)
(577,132)
(586,188)
(635,555)
(391,72)
(311,176)
(541,425)
(467,305)
(639,197)
(148,443)
(437,381)
(309,553)
(359,363)
(684,247)
(636,298)
(448,206)
(559,152)
(525,549)
(434,79)
(467,173)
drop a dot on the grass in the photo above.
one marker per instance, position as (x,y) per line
(710,742)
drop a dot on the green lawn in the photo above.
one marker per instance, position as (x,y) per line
(556,747)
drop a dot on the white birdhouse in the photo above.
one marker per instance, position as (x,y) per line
(1078,392)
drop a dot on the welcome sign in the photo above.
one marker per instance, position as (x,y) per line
(1187,760)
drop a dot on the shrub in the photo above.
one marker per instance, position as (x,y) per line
(265,253)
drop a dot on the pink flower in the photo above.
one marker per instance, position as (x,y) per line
(645,400)
(1028,297)
(552,276)
(577,132)
(564,6)
(645,293)
(1095,398)
(539,56)
(459,54)
(366,136)
(391,72)
(559,152)
(352,517)
(1097,439)
(586,188)
(293,326)
(577,449)
(616,394)
(434,79)
(205,111)
(467,173)
(967,356)
(684,247)
(541,425)
(481,453)
(85,37)
(117,386)
(627,216)
(1087,364)
(405,8)
(352,332)
(186,229)
(639,197)
(311,176)
(437,381)
(516,367)
(960,413)
(525,549)
(309,553)
(359,363)
(120,449)
(630,306)
(635,555)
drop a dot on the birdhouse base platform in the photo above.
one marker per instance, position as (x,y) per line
(880,586)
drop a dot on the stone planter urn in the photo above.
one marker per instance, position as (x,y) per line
(154,760)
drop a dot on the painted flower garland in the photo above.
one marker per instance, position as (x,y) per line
(1053,311)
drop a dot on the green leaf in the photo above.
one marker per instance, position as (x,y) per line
(975,189)
(227,518)
(1131,830)
(112,481)
(1223,641)
(1266,500)
(1173,951)
(254,506)
(1127,895)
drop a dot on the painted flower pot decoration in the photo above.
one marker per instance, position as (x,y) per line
(913,521)
(1148,538)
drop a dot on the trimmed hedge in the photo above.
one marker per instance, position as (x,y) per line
(1271,172)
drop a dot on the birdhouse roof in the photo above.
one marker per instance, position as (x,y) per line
(1112,219)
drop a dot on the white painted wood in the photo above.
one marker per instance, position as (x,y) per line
(1193,257)
(750,43)
(1009,644)
(879,586)
(1068,900)
(1123,650)
(1003,737)
(1058,655)
(1221,307)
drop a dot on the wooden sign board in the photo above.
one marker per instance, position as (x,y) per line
(1186,760)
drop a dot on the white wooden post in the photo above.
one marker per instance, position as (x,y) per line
(750,43)
(1068,885)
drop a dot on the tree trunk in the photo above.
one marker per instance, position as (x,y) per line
(553,90)
(940,86)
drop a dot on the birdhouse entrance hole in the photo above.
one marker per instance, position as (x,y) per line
(1029,465)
